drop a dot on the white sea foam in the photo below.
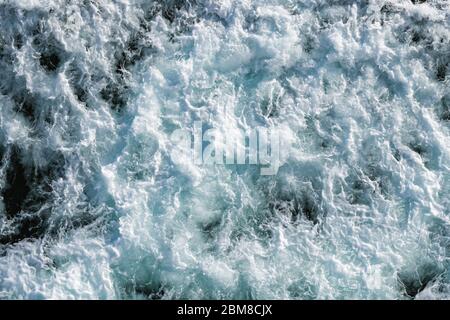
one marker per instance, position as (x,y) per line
(91,92)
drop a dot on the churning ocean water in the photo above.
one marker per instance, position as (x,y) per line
(93,205)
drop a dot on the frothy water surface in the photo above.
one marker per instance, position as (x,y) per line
(93,206)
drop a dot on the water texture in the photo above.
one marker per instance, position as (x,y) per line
(93,206)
